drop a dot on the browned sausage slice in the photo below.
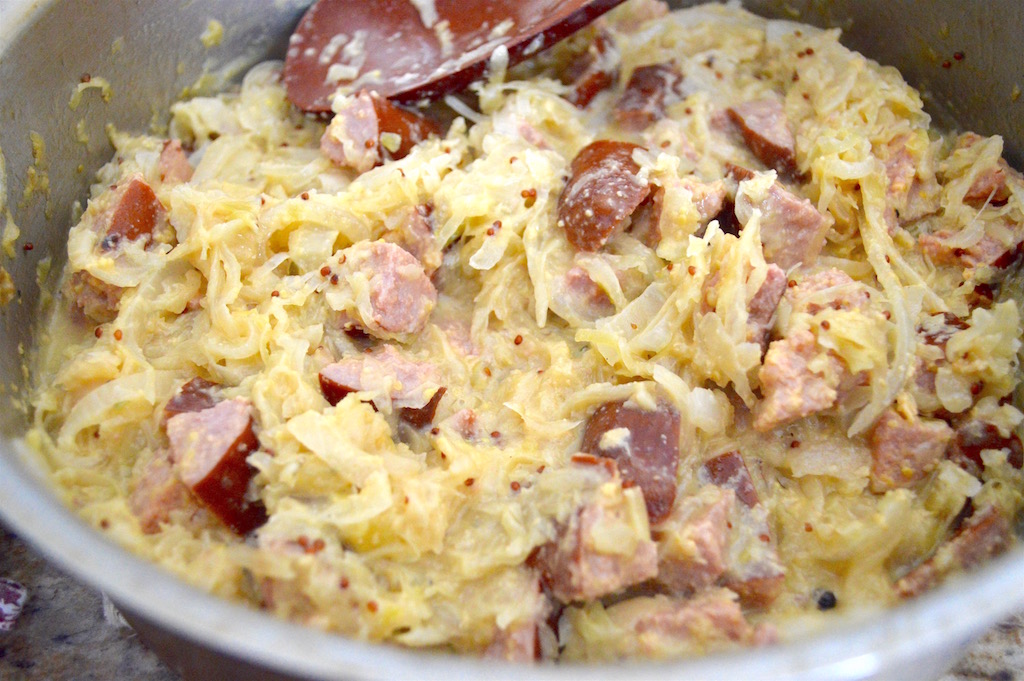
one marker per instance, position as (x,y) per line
(575,566)
(360,135)
(412,228)
(763,305)
(135,212)
(92,298)
(753,569)
(401,294)
(973,437)
(158,493)
(644,444)
(412,385)
(173,164)
(595,70)
(603,190)
(986,533)
(423,416)
(765,130)
(649,89)
(645,224)
(904,453)
(728,471)
(209,449)
(196,395)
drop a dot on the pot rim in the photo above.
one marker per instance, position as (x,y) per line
(860,644)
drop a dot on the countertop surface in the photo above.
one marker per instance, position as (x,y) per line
(63,634)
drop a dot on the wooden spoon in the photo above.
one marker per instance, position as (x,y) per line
(410,50)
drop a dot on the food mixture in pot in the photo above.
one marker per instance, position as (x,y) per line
(689,333)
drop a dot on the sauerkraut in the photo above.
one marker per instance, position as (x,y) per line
(676,337)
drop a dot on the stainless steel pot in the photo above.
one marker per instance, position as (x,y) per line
(149,52)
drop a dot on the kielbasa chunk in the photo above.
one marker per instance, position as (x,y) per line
(990,184)
(942,248)
(792,229)
(693,541)
(645,224)
(130,211)
(401,295)
(93,298)
(592,556)
(904,453)
(196,395)
(649,89)
(975,436)
(791,387)
(593,71)
(579,295)
(173,164)
(765,129)
(602,192)
(664,626)
(412,228)
(753,569)
(412,386)
(134,213)
(730,472)
(158,493)
(986,533)
(367,130)
(644,444)
(209,450)
(519,642)
(763,305)
(799,377)
(420,417)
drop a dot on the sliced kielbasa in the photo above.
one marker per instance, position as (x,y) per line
(92,298)
(196,395)
(420,417)
(411,385)
(729,471)
(127,211)
(763,305)
(412,228)
(990,184)
(753,569)
(360,136)
(593,71)
(649,90)
(401,295)
(693,542)
(975,436)
(578,565)
(173,164)
(134,213)
(792,230)
(765,129)
(158,493)
(987,532)
(209,450)
(904,453)
(602,192)
(644,444)
(662,625)
(645,224)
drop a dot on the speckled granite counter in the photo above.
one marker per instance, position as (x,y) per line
(62,634)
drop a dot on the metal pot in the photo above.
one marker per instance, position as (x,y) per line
(149,52)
